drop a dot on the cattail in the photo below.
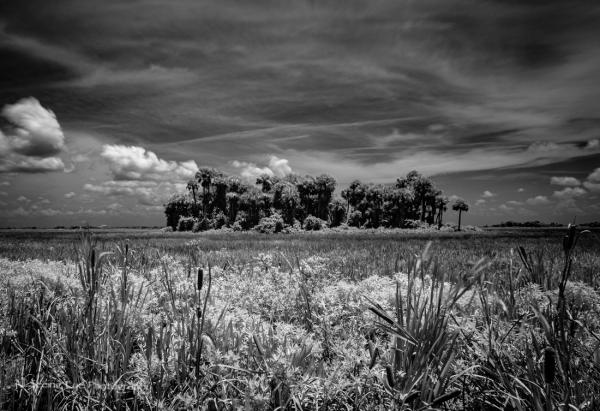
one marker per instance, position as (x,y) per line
(389,373)
(200,278)
(549,365)
(569,239)
(258,345)
(149,339)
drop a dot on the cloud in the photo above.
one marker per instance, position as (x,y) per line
(488,194)
(480,202)
(23,199)
(569,193)
(593,187)
(36,129)
(70,194)
(5,183)
(280,166)
(32,140)
(514,203)
(146,192)
(594,177)
(593,144)
(520,189)
(17,163)
(137,163)
(250,172)
(565,181)
(538,200)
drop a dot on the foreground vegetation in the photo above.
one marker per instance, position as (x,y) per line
(321,321)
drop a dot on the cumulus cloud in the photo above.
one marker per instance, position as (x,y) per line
(569,192)
(565,181)
(594,177)
(488,194)
(36,130)
(480,202)
(70,194)
(32,138)
(277,167)
(520,189)
(280,166)
(538,200)
(593,144)
(137,163)
(594,187)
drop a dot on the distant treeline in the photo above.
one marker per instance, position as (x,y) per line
(535,223)
(214,200)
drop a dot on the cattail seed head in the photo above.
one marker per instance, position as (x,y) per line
(549,365)
(200,278)
(389,374)
(149,340)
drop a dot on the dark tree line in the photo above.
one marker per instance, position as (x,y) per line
(215,200)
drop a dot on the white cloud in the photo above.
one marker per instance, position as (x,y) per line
(277,167)
(3,193)
(514,203)
(23,199)
(538,200)
(520,189)
(280,166)
(15,162)
(543,147)
(488,194)
(480,202)
(146,192)
(594,187)
(33,139)
(593,144)
(70,194)
(565,181)
(569,192)
(5,184)
(136,163)
(594,177)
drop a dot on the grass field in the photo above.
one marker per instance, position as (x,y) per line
(142,319)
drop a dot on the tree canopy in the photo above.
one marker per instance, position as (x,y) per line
(215,200)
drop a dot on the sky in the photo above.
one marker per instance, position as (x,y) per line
(109,107)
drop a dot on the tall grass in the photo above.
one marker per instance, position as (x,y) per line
(308,325)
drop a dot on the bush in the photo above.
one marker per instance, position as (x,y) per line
(201,225)
(167,229)
(312,223)
(355,219)
(414,224)
(185,223)
(270,225)
(220,221)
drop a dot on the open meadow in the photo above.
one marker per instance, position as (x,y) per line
(500,319)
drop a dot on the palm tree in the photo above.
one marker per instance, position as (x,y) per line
(441,203)
(192,185)
(460,205)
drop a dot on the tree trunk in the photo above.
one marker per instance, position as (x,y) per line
(459,215)
(440,218)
